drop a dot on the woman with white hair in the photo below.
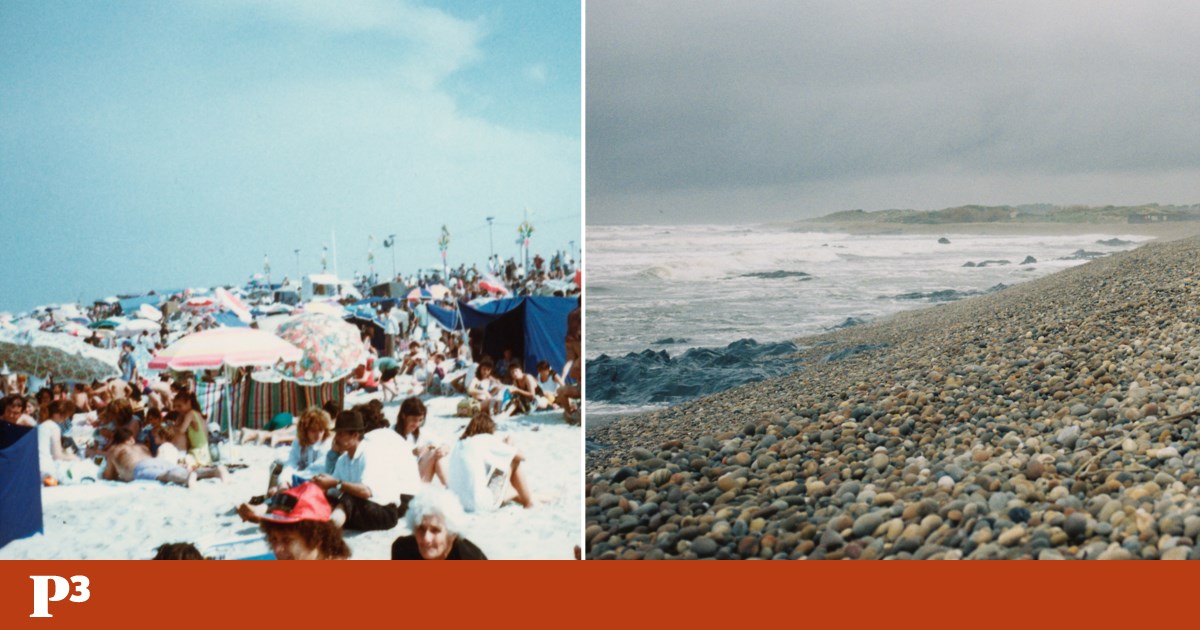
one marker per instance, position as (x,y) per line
(435,517)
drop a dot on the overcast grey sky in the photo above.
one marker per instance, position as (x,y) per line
(736,111)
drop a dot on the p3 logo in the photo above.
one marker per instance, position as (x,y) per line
(76,588)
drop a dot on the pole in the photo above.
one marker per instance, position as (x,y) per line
(297,264)
(491,246)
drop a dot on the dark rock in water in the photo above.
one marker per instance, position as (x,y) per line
(655,376)
(777,275)
(1029,260)
(668,341)
(1083,254)
(968,264)
(994,262)
(849,352)
(943,241)
(1114,242)
(946,295)
(849,323)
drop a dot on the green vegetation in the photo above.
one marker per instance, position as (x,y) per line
(1032,213)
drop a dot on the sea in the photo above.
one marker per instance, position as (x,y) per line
(682,311)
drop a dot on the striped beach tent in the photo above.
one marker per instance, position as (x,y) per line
(212,397)
(255,402)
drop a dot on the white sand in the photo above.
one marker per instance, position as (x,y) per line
(112,520)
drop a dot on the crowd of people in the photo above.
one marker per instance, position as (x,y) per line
(345,469)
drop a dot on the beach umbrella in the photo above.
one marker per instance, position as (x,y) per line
(199,304)
(494,286)
(135,327)
(438,291)
(146,311)
(62,356)
(104,324)
(418,294)
(235,347)
(331,349)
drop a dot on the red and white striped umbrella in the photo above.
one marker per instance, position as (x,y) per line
(236,347)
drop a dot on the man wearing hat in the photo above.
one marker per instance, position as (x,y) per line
(365,494)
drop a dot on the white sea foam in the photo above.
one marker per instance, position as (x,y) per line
(691,281)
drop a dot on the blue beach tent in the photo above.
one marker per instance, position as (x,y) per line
(20,483)
(533,327)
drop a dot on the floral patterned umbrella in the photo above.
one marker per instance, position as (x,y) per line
(331,349)
(59,355)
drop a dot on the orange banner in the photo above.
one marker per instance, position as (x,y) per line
(213,594)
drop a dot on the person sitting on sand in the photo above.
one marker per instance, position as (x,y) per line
(82,397)
(14,411)
(53,460)
(431,458)
(309,454)
(363,489)
(389,368)
(485,388)
(129,461)
(485,470)
(297,526)
(523,390)
(503,367)
(191,423)
(548,383)
(435,518)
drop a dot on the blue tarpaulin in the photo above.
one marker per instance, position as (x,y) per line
(131,305)
(20,483)
(228,319)
(534,328)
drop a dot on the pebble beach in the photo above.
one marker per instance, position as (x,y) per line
(1055,419)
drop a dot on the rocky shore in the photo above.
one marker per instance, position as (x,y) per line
(1053,419)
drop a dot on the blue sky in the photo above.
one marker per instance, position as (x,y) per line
(156,145)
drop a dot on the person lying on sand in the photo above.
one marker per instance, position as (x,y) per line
(435,518)
(129,461)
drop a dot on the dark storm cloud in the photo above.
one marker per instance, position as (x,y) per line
(802,104)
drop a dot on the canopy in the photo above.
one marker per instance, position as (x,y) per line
(67,358)
(237,347)
(331,349)
(532,327)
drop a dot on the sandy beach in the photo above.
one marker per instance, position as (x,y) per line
(1049,420)
(111,520)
